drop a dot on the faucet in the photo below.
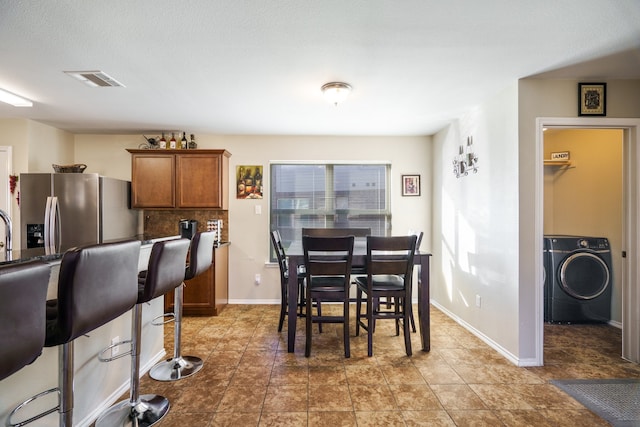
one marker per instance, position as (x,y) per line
(7,233)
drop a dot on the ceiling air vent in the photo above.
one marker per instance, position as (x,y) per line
(95,78)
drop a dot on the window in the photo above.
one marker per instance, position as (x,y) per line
(329,195)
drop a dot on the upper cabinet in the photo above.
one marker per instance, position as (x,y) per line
(180,179)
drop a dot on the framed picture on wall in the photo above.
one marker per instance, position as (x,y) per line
(592,99)
(410,185)
(249,182)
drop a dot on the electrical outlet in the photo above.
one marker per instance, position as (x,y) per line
(257,279)
(478,301)
(115,350)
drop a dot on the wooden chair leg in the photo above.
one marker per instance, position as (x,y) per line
(413,322)
(358,310)
(319,305)
(308,325)
(396,309)
(302,299)
(283,311)
(407,336)
(370,326)
(345,327)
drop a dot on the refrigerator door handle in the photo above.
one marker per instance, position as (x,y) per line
(47,227)
(57,224)
(51,225)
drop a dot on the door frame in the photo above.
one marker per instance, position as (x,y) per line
(6,169)
(630,224)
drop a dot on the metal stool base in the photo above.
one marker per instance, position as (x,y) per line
(150,409)
(176,368)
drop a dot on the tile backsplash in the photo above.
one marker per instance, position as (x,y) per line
(162,223)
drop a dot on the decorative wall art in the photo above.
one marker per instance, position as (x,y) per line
(249,182)
(410,185)
(592,99)
(466,160)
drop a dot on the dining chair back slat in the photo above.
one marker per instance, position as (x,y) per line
(337,232)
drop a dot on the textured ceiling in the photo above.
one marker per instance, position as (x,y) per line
(256,66)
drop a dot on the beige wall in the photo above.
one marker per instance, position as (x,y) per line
(475,224)
(586,198)
(248,232)
(35,148)
(39,146)
(549,98)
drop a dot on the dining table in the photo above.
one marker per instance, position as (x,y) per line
(421,263)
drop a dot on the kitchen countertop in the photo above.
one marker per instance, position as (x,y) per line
(25,255)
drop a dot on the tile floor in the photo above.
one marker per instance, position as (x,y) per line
(249,379)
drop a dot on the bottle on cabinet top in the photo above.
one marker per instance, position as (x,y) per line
(192,143)
(172,141)
(162,144)
(183,142)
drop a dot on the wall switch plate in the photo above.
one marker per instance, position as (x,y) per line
(115,350)
(258,209)
(478,301)
(257,279)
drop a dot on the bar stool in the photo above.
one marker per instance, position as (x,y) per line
(104,273)
(200,259)
(165,272)
(23,294)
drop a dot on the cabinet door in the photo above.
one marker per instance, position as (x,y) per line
(152,178)
(198,181)
(198,297)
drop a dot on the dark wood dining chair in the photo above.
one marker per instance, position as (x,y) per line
(283,265)
(390,302)
(418,235)
(327,262)
(357,232)
(389,271)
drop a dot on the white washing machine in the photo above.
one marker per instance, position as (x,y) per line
(578,279)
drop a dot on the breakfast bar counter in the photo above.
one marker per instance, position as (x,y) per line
(97,384)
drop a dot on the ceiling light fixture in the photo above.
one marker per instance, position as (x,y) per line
(13,99)
(335,92)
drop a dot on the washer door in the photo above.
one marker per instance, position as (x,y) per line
(584,275)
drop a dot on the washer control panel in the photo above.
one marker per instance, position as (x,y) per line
(572,243)
(597,244)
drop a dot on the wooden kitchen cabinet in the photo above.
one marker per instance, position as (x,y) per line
(207,294)
(180,179)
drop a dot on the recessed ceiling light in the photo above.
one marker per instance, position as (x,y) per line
(13,99)
(95,78)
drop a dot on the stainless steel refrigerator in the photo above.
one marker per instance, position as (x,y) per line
(59,211)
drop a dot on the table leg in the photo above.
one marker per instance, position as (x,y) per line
(292,305)
(423,302)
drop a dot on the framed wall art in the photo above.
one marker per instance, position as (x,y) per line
(592,99)
(410,185)
(249,182)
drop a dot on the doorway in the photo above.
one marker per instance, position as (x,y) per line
(629,272)
(583,197)
(5,194)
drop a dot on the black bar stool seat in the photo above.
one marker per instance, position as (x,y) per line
(23,293)
(200,259)
(165,273)
(96,284)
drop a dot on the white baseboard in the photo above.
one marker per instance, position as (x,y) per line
(615,324)
(115,396)
(494,345)
(254,301)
